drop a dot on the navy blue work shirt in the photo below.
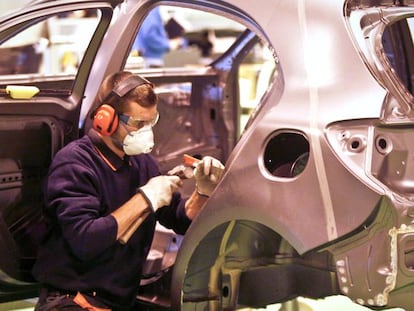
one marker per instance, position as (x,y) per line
(86,183)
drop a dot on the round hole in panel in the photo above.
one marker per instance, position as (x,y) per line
(383,144)
(286,154)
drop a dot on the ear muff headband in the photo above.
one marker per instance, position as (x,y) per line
(127,85)
(105,118)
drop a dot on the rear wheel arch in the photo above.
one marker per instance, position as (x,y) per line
(204,272)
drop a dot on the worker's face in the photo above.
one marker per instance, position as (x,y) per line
(135,129)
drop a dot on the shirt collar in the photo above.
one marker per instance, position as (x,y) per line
(107,155)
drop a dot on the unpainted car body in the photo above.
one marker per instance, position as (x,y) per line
(317,195)
(341,218)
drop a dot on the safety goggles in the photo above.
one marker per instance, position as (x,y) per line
(138,123)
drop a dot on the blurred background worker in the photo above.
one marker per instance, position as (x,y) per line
(152,41)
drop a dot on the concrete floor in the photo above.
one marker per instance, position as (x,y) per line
(337,303)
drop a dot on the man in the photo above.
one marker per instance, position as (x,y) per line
(152,41)
(98,188)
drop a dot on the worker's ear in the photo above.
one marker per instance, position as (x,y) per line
(105,120)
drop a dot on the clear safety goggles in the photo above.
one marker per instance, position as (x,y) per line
(138,123)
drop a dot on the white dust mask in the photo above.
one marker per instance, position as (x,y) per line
(140,141)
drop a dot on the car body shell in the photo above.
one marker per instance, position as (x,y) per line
(343,219)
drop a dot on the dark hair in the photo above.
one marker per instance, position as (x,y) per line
(143,94)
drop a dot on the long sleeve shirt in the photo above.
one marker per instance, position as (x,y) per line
(86,183)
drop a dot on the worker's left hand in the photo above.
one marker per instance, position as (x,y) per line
(207,175)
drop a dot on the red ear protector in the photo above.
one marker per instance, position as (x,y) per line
(105,117)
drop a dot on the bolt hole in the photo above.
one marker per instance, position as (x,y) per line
(382,143)
(225,291)
(355,144)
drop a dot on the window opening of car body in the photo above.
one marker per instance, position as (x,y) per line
(397,41)
(196,37)
(255,73)
(53,47)
(198,40)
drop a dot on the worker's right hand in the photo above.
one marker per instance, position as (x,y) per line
(158,190)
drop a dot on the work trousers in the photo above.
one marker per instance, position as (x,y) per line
(54,300)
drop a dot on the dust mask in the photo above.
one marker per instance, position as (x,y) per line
(140,141)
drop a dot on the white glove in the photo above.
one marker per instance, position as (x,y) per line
(158,190)
(207,175)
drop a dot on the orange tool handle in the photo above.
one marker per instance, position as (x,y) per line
(190,161)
